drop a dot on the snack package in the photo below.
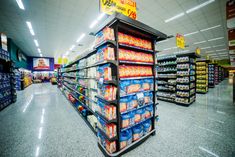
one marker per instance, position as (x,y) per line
(105,53)
(148,97)
(147,84)
(104,72)
(106,34)
(108,92)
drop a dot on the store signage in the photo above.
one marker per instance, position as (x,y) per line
(180,41)
(232,52)
(125,7)
(3,41)
(20,56)
(198,51)
(65,60)
(60,60)
(41,64)
(231,39)
(230,14)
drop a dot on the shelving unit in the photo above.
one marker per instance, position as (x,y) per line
(166,76)
(219,73)
(202,76)
(7,80)
(211,78)
(216,74)
(186,78)
(125,83)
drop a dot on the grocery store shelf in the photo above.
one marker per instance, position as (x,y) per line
(132,62)
(134,48)
(137,78)
(105,42)
(135,93)
(105,135)
(107,101)
(137,108)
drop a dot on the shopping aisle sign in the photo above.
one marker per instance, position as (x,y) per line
(180,42)
(125,7)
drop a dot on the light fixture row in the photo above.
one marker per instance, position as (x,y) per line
(189,11)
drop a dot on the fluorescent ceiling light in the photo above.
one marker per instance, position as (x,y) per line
(206,29)
(199,6)
(188,34)
(218,45)
(36,42)
(93,24)
(39,50)
(185,51)
(216,39)
(221,50)
(20,4)
(169,48)
(210,51)
(40,55)
(30,27)
(101,16)
(174,17)
(223,53)
(81,37)
(72,47)
(203,48)
(200,42)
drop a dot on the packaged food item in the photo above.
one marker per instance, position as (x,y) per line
(125,120)
(130,86)
(108,111)
(105,53)
(147,84)
(109,146)
(148,97)
(137,132)
(106,34)
(134,101)
(109,129)
(138,115)
(132,118)
(135,71)
(124,104)
(125,138)
(147,126)
(108,92)
(104,72)
(148,111)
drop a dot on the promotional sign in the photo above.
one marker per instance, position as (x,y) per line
(60,60)
(20,56)
(41,64)
(231,39)
(198,51)
(125,7)
(65,60)
(180,42)
(230,14)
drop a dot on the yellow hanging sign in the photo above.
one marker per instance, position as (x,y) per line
(60,60)
(65,60)
(125,7)
(198,51)
(180,41)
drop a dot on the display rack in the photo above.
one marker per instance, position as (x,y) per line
(216,74)
(211,78)
(59,78)
(202,76)
(219,73)
(186,78)
(7,80)
(124,103)
(166,76)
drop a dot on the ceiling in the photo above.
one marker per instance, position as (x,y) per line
(58,24)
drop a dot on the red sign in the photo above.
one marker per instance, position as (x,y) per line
(230,14)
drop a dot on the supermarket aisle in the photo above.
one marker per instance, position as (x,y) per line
(43,123)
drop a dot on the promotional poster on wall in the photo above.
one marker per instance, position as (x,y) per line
(41,64)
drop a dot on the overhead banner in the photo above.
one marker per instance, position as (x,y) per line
(232,60)
(41,64)
(231,39)
(125,7)
(230,14)
(198,51)
(180,42)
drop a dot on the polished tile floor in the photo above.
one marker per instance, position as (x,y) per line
(43,123)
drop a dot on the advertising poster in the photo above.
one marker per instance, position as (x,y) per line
(41,64)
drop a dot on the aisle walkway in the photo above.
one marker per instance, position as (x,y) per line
(43,123)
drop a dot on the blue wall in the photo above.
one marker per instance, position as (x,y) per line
(30,61)
(12,49)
